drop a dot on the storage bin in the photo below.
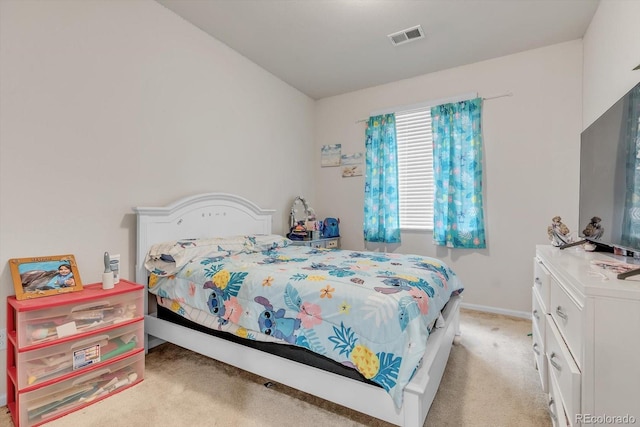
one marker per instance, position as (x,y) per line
(48,403)
(48,363)
(49,324)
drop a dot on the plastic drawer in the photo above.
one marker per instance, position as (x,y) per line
(48,403)
(48,363)
(47,325)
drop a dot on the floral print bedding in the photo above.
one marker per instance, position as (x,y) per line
(367,310)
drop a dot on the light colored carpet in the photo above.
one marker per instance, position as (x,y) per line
(490,380)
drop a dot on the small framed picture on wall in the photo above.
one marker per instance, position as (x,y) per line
(330,155)
(351,164)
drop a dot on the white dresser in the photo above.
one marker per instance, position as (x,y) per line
(586,338)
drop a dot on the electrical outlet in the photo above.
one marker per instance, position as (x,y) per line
(3,339)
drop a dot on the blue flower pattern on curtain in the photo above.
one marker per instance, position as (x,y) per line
(381,201)
(457,166)
(630,222)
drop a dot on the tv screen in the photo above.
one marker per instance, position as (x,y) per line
(610,176)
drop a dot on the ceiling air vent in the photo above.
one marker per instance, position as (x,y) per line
(406,36)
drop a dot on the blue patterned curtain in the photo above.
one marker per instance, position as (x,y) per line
(458,219)
(631,217)
(381,216)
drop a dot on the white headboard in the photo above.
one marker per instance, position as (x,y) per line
(202,215)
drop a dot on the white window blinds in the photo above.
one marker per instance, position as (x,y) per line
(415,168)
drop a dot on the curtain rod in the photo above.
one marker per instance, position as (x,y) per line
(484,98)
(509,93)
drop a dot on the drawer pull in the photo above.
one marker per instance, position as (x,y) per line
(551,412)
(93,305)
(94,374)
(553,362)
(561,313)
(536,315)
(535,348)
(537,281)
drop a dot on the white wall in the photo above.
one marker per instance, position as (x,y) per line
(611,52)
(109,105)
(531,149)
(106,105)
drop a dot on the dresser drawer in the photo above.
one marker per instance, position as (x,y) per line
(540,357)
(328,243)
(538,313)
(556,408)
(48,363)
(332,244)
(568,317)
(47,325)
(541,282)
(47,403)
(564,371)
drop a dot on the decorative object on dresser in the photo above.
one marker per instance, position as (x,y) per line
(558,232)
(69,351)
(587,362)
(593,230)
(384,385)
(43,276)
(591,234)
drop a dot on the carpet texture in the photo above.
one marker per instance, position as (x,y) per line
(490,380)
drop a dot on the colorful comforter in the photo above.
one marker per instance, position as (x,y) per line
(367,310)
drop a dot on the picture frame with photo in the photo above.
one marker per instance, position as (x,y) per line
(330,155)
(352,164)
(37,277)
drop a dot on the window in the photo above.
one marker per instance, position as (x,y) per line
(415,168)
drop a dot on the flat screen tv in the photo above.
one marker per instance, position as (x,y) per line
(610,177)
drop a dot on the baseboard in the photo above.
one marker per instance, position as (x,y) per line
(505,312)
(3,399)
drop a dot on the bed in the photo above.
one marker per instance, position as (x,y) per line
(187,226)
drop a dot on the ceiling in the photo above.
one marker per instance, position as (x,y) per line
(329,47)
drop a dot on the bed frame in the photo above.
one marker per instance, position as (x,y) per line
(221,214)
